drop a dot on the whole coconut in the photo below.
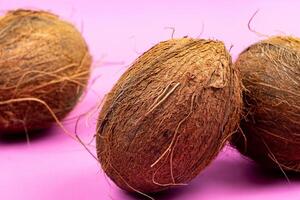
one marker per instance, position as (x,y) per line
(44,67)
(169,115)
(270,71)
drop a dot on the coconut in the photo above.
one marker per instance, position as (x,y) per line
(270,71)
(44,67)
(169,115)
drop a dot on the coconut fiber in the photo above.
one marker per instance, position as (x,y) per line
(270,71)
(44,67)
(169,115)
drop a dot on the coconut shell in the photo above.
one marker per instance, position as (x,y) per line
(169,115)
(44,65)
(270,71)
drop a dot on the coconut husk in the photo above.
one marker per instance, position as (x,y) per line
(44,68)
(270,130)
(169,115)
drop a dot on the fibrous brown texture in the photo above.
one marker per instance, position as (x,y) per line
(44,67)
(270,71)
(169,115)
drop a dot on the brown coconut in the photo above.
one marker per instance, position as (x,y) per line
(169,115)
(44,67)
(270,71)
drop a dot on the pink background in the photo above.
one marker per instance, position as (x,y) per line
(53,166)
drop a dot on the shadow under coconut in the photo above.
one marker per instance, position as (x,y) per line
(288,176)
(226,174)
(8,138)
(163,195)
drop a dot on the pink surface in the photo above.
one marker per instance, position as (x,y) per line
(54,166)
